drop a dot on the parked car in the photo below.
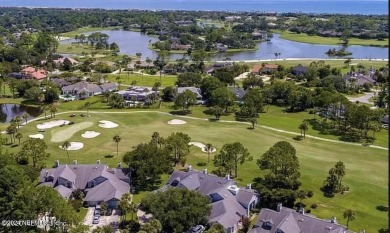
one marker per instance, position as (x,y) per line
(96,213)
(96,220)
(198,229)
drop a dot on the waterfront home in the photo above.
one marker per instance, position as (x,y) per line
(99,182)
(210,70)
(178,46)
(85,89)
(259,35)
(269,68)
(229,203)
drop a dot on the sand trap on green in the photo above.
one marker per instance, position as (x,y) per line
(65,133)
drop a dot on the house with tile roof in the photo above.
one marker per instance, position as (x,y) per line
(229,202)
(37,74)
(286,220)
(99,182)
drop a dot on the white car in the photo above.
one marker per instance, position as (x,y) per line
(385,126)
(96,219)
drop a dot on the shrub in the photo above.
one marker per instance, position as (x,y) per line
(298,138)
(313,206)
(201,164)
(308,211)
(310,194)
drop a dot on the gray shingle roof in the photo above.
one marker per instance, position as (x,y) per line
(83,86)
(290,221)
(226,208)
(114,181)
(194,90)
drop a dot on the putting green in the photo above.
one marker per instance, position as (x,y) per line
(66,132)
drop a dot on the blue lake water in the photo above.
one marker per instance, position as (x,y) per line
(314,6)
(132,42)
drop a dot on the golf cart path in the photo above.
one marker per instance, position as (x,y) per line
(223,121)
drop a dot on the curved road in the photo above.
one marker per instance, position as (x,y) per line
(204,119)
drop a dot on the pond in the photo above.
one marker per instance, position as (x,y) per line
(10,111)
(132,42)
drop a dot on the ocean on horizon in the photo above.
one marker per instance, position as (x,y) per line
(365,7)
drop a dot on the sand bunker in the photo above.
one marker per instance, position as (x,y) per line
(176,122)
(75,146)
(107,124)
(202,146)
(90,134)
(63,134)
(51,124)
(40,136)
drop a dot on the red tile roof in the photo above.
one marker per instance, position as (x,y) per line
(256,68)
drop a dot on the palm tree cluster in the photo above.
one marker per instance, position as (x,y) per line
(14,127)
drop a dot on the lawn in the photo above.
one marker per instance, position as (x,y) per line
(79,49)
(82,30)
(303,37)
(144,80)
(366,167)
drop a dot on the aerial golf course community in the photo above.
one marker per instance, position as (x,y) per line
(193,122)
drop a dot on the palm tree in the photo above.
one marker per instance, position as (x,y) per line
(209,147)
(117,139)
(133,209)
(25,117)
(11,130)
(44,109)
(304,127)
(86,105)
(18,119)
(19,136)
(66,146)
(375,127)
(349,215)
(124,204)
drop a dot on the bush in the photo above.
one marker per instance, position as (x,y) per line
(201,164)
(313,206)
(71,123)
(310,194)
(311,111)
(308,211)
(298,138)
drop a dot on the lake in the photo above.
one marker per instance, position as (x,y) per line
(10,111)
(132,42)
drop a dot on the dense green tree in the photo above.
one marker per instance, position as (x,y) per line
(189,79)
(223,98)
(252,81)
(153,226)
(185,100)
(116,101)
(230,156)
(332,183)
(216,228)
(34,149)
(177,209)
(147,162)
(168,93)
(209,84)
(177,144)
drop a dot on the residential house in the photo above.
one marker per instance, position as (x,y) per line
(169,68)
(184,23)
(286,220)
(210,70)
(229,203)
(269,68)
(358,78)
(85,89)
(195,90)
(256,69)
(299,70)
(178,46)
(135,93)
(139,64)
(259,35)
(99,182)
(62,59)
(108,63)
(34,73)
(60,82)
(239,93)
(221,47)
(19,75)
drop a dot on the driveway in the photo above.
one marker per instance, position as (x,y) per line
(363,99)
(104,220)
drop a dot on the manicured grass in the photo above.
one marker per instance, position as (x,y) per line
(144,80)
(79,49)
(303,37)
(365,167)
(82,30)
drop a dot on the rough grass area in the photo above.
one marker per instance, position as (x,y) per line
(366,168)
(66,132)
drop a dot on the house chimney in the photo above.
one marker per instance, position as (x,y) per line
(189,168)
(279,207)
(204,170)
(227,176)
(119,165)
(56,163)
(75,162)
(333,220)
(249,186)
(98,161)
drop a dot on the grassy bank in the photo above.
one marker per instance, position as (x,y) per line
(303,37)
(364,166)
(83,30)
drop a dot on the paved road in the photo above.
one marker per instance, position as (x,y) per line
(363,99)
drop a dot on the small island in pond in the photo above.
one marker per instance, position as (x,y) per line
(340,52)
